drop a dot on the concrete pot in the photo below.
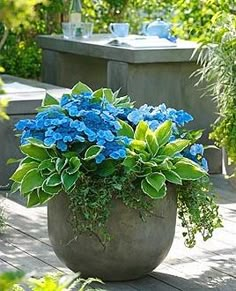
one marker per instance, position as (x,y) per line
(135,249)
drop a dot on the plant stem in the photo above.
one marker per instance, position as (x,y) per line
(4,37)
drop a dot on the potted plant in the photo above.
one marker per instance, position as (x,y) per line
(113,176)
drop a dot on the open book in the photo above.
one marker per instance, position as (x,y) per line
(137,41)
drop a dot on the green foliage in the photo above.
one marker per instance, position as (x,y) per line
(137,178)
(20,56)
(219,70)
(9,281)
(197,210)
(3,107)
(153,157)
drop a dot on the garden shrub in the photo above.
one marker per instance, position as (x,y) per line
(192,19)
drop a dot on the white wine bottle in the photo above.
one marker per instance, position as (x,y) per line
(76,15)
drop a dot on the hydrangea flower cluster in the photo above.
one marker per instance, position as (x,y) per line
(85,119)
(78,118)
(195,153)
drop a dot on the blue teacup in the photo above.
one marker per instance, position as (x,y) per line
(119,29)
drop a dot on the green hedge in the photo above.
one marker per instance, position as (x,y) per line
(191,19)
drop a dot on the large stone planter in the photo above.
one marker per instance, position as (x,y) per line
(136,247)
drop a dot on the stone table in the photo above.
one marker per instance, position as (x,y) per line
(149,75)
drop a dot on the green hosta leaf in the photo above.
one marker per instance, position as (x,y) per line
(33,199)
(81,88)
(27,160)
(106,168)
(60,164)
(126,129)
(152,143)
(174,147)
(53,180)
(163,132)
(47,165)
(92,152)
(43,196)
(172,177)
(68,180)
(138,145)
(22,170)
(141,130)
(188,170)
(49,100)
(37,142)
(108,94)
(142,172)
(51,190)
(74,165)
(15,187)
(35,152)
(130,162)
(32,180)
(156,180)
(13,161)
(162,192)
(152,192)
(98,94)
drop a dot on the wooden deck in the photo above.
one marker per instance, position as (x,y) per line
(210,265)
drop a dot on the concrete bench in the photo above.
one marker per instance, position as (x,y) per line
(22,105)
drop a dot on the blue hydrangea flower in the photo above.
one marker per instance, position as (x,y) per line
(196,149)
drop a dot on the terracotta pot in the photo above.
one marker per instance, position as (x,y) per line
(135,249)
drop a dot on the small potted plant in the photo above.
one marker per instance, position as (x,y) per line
(114,176)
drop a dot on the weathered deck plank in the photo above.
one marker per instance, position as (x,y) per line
(210,265)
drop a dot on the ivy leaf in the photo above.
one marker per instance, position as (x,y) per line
(22,170)
(141,130)
(49,100)
(174,147)
(156,180)
(31,181)
(35,152)
(163,132)
(187,170)
(92,152)
(152,143)
(81,88)
(172,177)
(126,129)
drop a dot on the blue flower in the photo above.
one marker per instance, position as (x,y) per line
(204,164)
(196,149)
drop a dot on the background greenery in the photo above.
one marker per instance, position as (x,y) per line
(191,19)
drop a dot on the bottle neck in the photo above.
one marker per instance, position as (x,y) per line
(75,11)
